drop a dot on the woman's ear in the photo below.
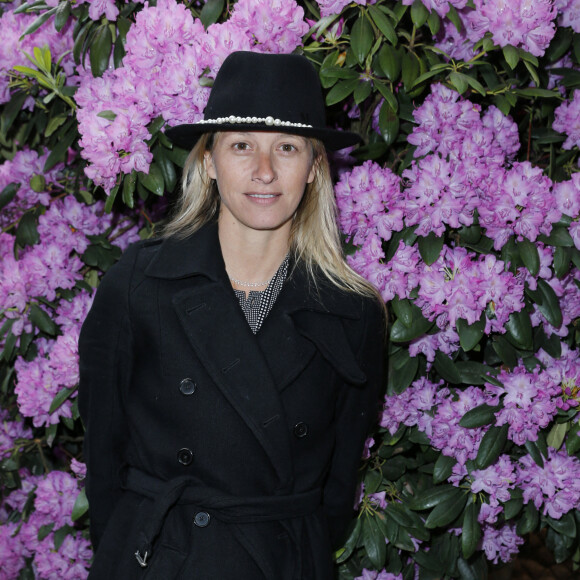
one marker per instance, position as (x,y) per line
(209,165)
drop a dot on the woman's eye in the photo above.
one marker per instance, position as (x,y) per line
(288,147)
(241,146)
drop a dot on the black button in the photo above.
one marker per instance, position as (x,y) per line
(187,387)
(185,456)
(201,519)
(300,430)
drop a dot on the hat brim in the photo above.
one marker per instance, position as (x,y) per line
(186,136)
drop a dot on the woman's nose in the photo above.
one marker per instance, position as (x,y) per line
(264,170)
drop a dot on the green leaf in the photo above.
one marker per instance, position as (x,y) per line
(59,151)
(445,512)
(430,247)
(505,351)
(340,91)
(361,38)
(443,468)
(410,70)
(43,531)
(530,257)
(511,55)
(559,236)
(405,310)
(109,115)
(388,95)
(401,333)
(374,542)
(81,506)
(211,12)
(434,22)
(419,13)
(566,525)
(62,14)
(27,232)
(111,198)
(60,535)
(550,306)
(433,71)
(384,25)
(153,180)
(362,91)
(42,320)
(129,184)
(491,446)
(470,334)
(60,398)
(432,497)
(8,194)
(475,569)
(519,329)
(573,439)
(39,22)
(400,377)
(471,531)
(533,93)
(459,81)
(556,435)
(528,521)
(388,123)
(561,263)
(446,368)
(534,452)
(512,507)
(351,542)
(390,62)
(479,416)
(100,51)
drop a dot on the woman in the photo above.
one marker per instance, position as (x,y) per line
(230,370)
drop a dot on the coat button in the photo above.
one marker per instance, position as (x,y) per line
(300,430)
(187,387)
(185,456)
(201,519)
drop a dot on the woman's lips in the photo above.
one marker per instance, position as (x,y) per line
(263,198)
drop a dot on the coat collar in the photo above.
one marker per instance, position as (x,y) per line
(200,255)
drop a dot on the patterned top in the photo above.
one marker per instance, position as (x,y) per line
(259,303)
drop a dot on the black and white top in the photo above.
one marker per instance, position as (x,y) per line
(258,303)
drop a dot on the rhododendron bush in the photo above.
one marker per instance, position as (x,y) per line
(462,207)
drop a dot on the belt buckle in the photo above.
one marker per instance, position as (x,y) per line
(142,559)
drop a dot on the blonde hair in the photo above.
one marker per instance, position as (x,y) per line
(314,236)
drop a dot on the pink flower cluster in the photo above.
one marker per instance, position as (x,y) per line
(54,496)
(382,575)
(12,49)
(568,13)
(461,285)
(370,202)
(528,24)
(10,432)
(98,8)
(500,543)
(530,400)
(329,7)
(556,486)
(518,202)
(496,480)
(437,411)
(567,120)
(169,57)
(439,6)
(19,171)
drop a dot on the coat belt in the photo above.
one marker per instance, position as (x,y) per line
(224,507)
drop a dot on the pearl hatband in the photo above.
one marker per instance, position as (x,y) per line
(269,121)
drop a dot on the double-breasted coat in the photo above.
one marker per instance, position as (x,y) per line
(214,453)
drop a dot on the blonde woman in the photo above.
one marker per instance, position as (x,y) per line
(231,369)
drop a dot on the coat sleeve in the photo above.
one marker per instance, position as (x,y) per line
(356,411)
(105,355)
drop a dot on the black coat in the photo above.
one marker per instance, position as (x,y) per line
(222,454)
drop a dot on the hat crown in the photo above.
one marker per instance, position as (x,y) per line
(282,86)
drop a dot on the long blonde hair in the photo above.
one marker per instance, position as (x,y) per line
(314,236)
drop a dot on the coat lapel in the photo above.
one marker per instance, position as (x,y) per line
(232,356)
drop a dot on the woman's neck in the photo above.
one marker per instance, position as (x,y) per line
(252,256)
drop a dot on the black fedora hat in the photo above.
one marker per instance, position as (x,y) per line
(265,92)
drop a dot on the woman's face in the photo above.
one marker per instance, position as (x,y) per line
(261,177)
